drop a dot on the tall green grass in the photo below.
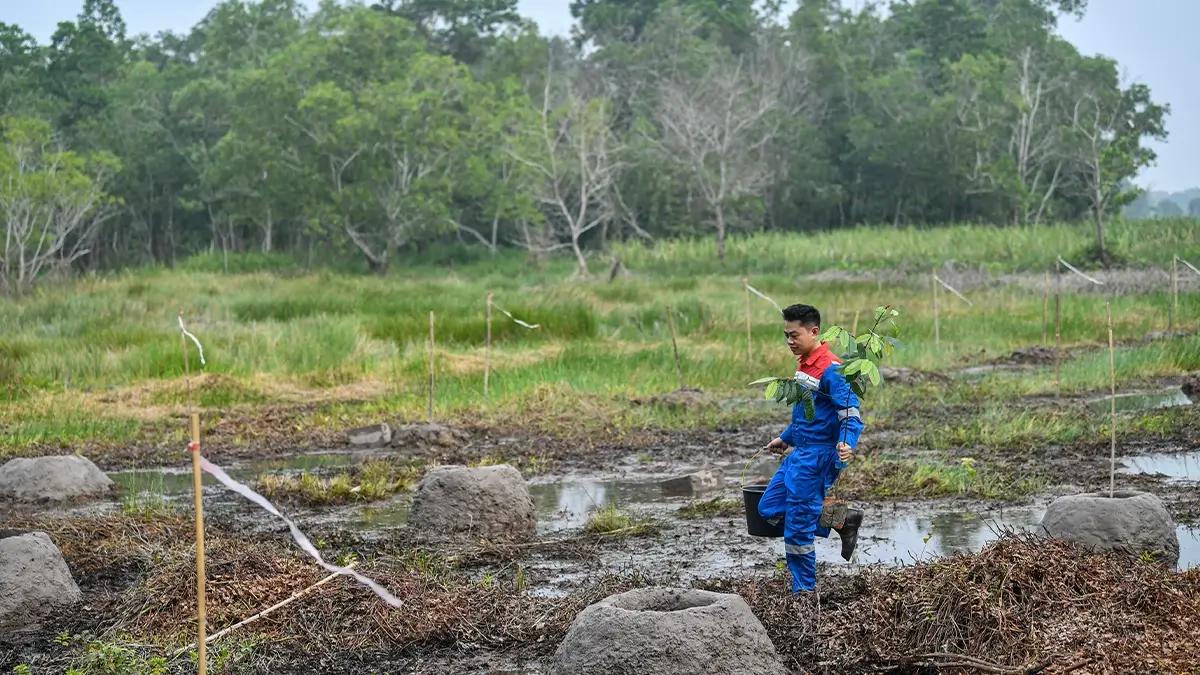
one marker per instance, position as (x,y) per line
(66,344)
(914,248)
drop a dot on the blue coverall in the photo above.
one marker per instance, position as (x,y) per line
(797,491)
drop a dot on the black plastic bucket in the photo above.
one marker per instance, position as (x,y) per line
(755,524)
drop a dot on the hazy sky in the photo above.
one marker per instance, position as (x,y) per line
(1153,40)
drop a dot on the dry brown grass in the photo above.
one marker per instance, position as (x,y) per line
(1022,605)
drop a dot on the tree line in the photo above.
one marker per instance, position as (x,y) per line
(378,130)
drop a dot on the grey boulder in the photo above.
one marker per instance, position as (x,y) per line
(487,501)
(667,631)
(55,478)
(1130,522)
(374,435)
(696,483)
(34,580)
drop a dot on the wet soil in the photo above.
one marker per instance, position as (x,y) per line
(569,480)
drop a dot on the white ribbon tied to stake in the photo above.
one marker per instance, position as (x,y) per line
(199,347)
(1076,271)
(515,319)
(760,294)
(301,539)
(953,290)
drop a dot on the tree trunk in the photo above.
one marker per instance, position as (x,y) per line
(720,234)
(580,260)
(379,267)
(266,245)
(1100,250)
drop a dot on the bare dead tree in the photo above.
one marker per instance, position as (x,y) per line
(575,155)
(52,202)
(1035,143)
(719,126)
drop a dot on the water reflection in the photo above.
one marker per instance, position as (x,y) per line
(907,539)
(175,481)
(1167,398)
(1176,465)
(568,504)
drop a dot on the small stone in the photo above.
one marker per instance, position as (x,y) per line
(697,483)
(34,580)
(372,436)
(55,478)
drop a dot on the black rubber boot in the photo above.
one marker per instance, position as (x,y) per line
(849,532)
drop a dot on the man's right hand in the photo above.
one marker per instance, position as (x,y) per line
(777,446)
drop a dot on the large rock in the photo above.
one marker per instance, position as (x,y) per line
(488,501)
(34,580)
(56,478)
(374,435)
(667,631)
(697,483)
(428,436)
(1130,522)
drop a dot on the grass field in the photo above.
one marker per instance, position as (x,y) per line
(98,360)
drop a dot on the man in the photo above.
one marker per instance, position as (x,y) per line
(821,448)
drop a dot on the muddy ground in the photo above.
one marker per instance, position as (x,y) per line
(487,606)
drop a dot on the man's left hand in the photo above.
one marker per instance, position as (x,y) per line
(845,452)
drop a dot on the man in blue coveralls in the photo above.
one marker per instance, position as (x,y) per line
(821,448)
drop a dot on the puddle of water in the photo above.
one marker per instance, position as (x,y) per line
(389,514)
(1172,397)
(1189,547)
(176,481)
(906,539)
(567,505)
(1173,465)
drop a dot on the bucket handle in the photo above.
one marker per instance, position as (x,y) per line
(746,466)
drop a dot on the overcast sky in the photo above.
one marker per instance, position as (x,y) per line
(1153,40)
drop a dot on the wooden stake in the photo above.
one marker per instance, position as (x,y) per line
(1057,329)
(1046,309)
(854,326)
(198,498)
(675,346)
(198,505)
(749,339)
(937,329)
(487,352)
(1112,380)
(432,380)
(1173,317)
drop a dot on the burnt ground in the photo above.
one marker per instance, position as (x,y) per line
(494,607)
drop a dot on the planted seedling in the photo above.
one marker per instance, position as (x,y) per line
(861,356)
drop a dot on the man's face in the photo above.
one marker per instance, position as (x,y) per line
(801,339)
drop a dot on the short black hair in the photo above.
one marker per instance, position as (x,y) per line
(806,315)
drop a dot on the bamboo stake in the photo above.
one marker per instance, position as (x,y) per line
(1057,330)
(198,505)
(487,353)
(854,326)
(1046,309)
(749,338)
(1174,315)
(675,346)
(1112,381)
(432,380)
(937,329)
